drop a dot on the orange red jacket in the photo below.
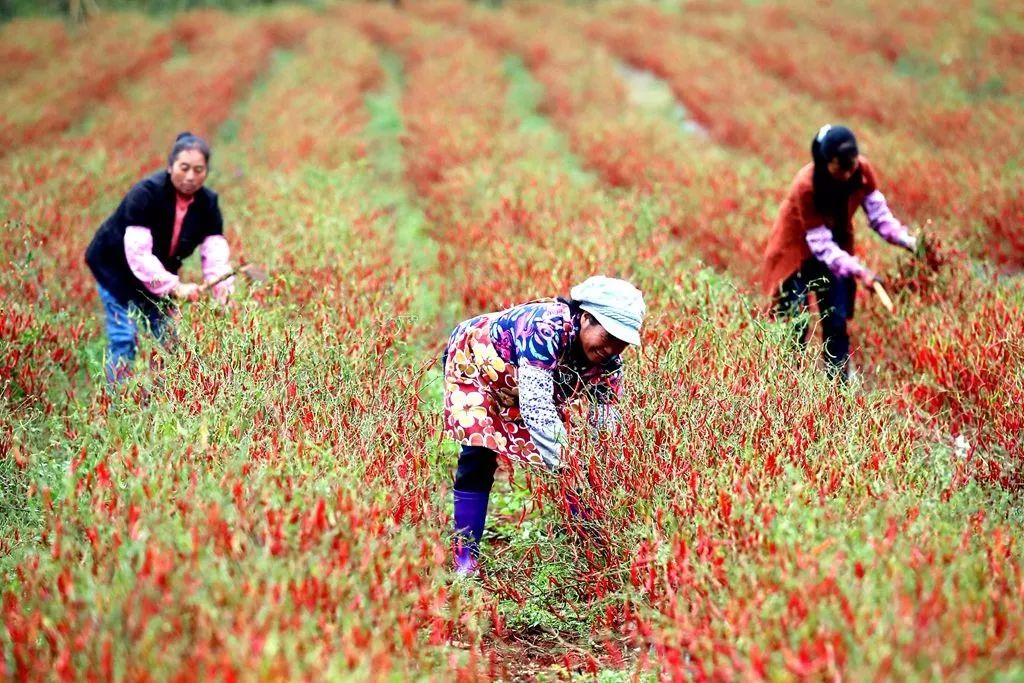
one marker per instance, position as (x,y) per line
(787,246)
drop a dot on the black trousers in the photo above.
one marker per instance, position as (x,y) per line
(476,469)
(475,472)
(835,297)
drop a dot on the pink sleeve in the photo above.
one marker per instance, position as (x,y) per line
(138,248)
(825,249)
(883,222)
(215,254)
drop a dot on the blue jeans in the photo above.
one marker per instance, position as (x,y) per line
(835,297)
(122,332)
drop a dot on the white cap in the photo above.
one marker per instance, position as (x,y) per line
(616,304)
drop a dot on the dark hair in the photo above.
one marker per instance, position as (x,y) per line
(187,140)
(831,196)
(574,306)
(576,313)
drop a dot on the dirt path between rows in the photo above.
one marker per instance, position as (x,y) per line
(652,94)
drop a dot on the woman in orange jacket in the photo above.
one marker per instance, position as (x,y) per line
(812,241)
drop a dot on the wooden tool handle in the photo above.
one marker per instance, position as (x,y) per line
(208,285)
(883,296)
(250,271)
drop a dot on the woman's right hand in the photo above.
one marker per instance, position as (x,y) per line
(186,291)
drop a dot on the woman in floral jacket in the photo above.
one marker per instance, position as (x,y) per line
(509,376)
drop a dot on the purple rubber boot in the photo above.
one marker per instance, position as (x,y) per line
(470,516)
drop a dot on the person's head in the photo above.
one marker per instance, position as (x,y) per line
(837,172)
(835,148)
(612,312)
(188,163)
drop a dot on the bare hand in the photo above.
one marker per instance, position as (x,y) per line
(186,291)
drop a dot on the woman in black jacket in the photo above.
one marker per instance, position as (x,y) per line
(137,252)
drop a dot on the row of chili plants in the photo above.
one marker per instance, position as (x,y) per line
(814,654)
(957,401)
(238,513)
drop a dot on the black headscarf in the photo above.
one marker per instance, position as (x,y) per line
(832,197)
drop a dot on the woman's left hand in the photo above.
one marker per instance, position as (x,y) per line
(910,244)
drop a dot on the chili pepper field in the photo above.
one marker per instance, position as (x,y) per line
(270,496)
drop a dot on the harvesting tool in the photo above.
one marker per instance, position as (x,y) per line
(251,272)
(883,296)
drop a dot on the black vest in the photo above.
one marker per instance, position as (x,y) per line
(150,204)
